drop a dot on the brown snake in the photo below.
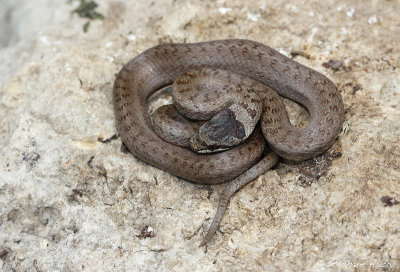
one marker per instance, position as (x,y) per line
(161,65)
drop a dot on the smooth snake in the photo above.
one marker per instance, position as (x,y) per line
(161,65)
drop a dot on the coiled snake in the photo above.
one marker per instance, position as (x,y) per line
(265,69)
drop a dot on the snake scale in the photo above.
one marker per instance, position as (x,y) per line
(161,65)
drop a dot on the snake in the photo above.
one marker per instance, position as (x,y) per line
(161,65)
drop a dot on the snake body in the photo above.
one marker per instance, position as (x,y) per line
(161,65)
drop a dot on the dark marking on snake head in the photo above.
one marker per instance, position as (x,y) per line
(223,129)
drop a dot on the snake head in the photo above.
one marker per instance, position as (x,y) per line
(220,132)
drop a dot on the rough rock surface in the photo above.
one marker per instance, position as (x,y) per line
(70,200)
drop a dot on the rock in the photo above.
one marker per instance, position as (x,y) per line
(70,200)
